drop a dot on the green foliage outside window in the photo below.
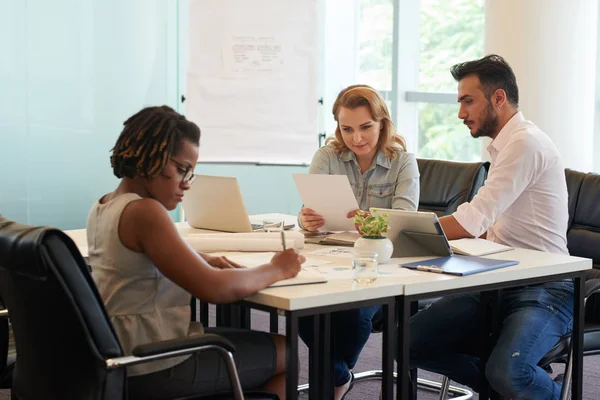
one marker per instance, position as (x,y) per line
(451,31)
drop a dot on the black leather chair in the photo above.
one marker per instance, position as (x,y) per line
(583,239)
(444,185)
(447,184)
(66,346)
(6,361)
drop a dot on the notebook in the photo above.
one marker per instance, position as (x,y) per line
(305,276)
(477,247)
(459,265)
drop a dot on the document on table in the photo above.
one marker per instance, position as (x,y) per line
(252,260)
(344,252)
(305,276)
(329,196)
(477,247)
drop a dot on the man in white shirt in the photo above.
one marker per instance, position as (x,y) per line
(523,204)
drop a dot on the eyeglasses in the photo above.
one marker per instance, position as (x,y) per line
(186,172)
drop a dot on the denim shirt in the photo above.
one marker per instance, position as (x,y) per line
(388,183)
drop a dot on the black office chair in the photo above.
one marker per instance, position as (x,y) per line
(583,240)
(6,361)
(66,346)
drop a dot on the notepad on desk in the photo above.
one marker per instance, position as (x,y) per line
(305,276)
(477,247)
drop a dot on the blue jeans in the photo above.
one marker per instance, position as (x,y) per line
(445,338)
(350,331)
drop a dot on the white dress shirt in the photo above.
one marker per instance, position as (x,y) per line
(524,202)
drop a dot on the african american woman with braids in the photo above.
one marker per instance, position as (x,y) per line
(146,274)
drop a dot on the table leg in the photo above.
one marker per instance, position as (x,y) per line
(315,363)
(387,365)
(193,306)
(245,317)
(204,313)
(403,307)
(577,338)
(325,349)
(291,339)
(273,321)
(489,303)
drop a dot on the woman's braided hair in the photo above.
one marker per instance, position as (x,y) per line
(149,139)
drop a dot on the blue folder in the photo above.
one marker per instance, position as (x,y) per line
(459,265)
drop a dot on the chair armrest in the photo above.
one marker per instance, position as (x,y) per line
(172,348)
(591,286)
(165,346)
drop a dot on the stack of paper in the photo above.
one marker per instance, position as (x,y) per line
(257,241)
(477,247)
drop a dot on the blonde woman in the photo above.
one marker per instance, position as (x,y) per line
(382,174)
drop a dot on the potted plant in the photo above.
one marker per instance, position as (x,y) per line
(372,227)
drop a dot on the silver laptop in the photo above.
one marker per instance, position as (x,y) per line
(416,233)
(215,203)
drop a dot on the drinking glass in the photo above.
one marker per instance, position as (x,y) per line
(364,266)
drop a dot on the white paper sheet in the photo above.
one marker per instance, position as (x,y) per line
(252,79)
(329,196)
(256,259)
(477,247)
(345,252)
(335,271)
(307,275)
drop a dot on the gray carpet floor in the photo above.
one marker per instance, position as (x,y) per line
(371,359)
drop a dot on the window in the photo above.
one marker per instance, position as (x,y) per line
(443,136)
(362,41)
(450,32)
(375,37)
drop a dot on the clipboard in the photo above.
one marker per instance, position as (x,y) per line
(459,265)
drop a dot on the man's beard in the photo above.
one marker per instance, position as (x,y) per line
(488,125)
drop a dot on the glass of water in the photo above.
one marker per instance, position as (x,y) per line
(364,266)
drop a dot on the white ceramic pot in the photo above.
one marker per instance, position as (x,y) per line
(382,246)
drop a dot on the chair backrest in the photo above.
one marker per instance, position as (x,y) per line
(447,184)
(583,234)
(62,332)
(4,380)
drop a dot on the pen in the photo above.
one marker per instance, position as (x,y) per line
(283,240)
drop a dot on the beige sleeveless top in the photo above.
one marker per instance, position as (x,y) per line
(144,306)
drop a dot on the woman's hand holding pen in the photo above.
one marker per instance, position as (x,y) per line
(310,220)
(288,262)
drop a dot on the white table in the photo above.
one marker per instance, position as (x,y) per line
(399,290)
